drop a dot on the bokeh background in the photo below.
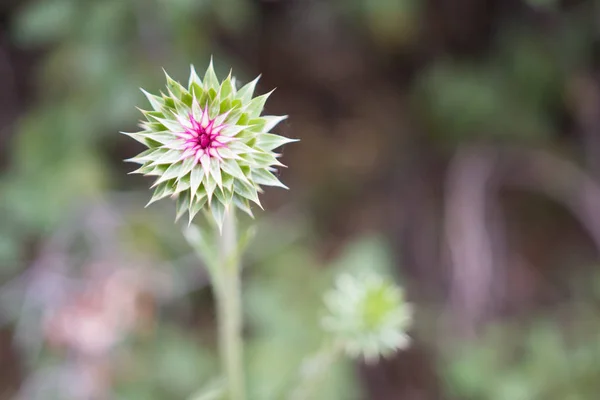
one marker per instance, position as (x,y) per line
(452,143)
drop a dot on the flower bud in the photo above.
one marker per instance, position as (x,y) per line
(367,316)
(208,145)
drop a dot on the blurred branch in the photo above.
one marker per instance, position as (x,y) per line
(467,234)
(476,175)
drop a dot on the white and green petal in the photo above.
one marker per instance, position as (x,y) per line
(367,316)
(208,144)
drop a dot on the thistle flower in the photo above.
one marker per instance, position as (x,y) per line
(367,316)
(208,145)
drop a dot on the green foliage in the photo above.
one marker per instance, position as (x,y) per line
(552,360)
(389,23)
(509,97)
(169,364)
(469,102)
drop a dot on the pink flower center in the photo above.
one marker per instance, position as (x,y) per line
(202,138)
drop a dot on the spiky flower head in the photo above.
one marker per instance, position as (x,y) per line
(208,145)
(367,315)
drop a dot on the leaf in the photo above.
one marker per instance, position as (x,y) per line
(233,130)
(265,160)
(156,102)
(171,125)
(247,191)
(170,157)
(268,141)
(210,78)
(245,93)
(182,205)
(163,137)
(209,185)
(175,87)
(224,195)
(196,179)
(215,172)
(162,190)
(137,136)
(255,107)
(243,204)
(218,212)
(146,156)
(272,121)
(183,184)
(172,172)
(194,78)
(226,88)
(197,205)
(264,177)
(188,164)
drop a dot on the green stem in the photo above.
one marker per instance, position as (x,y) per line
(229,307)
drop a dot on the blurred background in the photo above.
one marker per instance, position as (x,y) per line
(453,143)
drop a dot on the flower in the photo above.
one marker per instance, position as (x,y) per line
(367,316)
(208,145)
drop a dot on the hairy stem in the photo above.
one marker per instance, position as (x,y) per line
(230,309)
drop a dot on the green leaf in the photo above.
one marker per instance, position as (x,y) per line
(245,93)
(182,108)
(224,195)
(264,177)
(162,190)
(196,179)
(233,130)
(255,107)
(175,87)
(188,164)
(137,136)
(210,78)
(272,120)
(171,125)
(196,206)
(243,204)
(247,191)
(228,155)
(218,212)
(182,205)
(146,156)
(194,79)
(197,91)
(265,160)
(268,141)
(215,172)
(163,137)
(156,102)
(170,157)
(147,169)
(183,184)
(227,180)
(209,185)
(172,172)
(226,88)
(233,169)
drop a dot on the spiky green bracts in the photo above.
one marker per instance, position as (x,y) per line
(368,316)
(208,145)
